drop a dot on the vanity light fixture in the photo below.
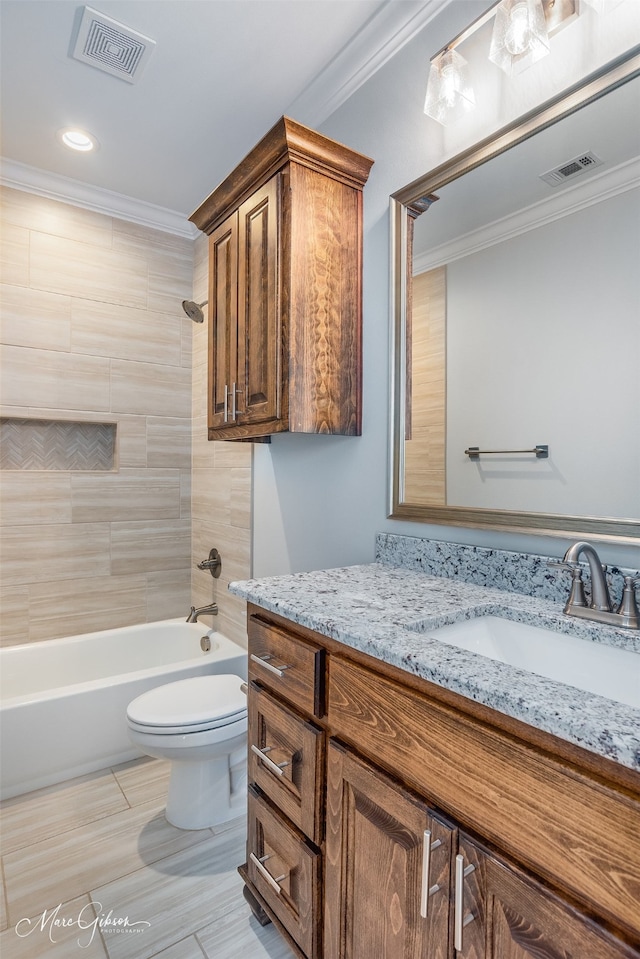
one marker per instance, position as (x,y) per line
(78,140)
(520,36)
(449,90)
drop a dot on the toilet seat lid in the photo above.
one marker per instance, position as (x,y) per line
(202,701)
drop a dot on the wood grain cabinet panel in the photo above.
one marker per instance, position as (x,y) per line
(508,915)
(385,893)
(286,760)
(288,666)
(285,288)
(568,827)
(284,869)
(223,319)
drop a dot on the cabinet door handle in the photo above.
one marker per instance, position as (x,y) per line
(226,403)
(459,921)
(427,890)
(234,409)
(277,768)
(266,875)
(262,661)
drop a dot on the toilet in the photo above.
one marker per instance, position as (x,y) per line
(200,725)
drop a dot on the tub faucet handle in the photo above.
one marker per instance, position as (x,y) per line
(213,563)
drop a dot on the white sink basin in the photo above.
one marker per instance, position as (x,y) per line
(606,670)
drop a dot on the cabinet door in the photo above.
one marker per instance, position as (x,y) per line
(259,382)
(387,868)
(223,321)
(502,914)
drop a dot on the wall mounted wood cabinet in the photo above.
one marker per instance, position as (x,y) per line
(391,818)
(285,288)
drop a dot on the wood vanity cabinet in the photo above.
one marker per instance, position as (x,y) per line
(403,821)
(285,288)
(286,763)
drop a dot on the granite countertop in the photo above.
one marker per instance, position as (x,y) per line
(369,608)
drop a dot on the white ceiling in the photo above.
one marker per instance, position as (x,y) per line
(222,72)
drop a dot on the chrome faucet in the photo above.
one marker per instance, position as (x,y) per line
(210,610)
(600,609)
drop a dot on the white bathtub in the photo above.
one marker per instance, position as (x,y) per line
(64,700)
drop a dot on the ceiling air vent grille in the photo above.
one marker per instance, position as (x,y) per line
(111,46)
(572,168)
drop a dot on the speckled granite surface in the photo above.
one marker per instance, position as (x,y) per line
(502,569)
(373,607)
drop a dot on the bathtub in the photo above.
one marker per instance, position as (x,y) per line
(63,701)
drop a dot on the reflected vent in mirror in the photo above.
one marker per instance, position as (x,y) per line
(571,169)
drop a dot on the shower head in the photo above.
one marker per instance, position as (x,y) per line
(194,310)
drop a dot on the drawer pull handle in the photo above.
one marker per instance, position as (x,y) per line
(277,768)
(266,875)
(459,921)
(427,890)
(262,661)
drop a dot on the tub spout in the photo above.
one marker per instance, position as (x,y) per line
(210,610)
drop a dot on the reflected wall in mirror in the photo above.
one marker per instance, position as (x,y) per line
(517,323)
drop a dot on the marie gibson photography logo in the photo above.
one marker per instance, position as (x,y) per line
(87,921)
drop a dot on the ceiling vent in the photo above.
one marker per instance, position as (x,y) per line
(111,46)
(571,169)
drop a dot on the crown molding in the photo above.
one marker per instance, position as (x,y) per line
(20,176)
(603,186)
(390,28)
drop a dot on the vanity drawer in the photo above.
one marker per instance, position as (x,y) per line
(285,872)
(287,665)
(286,760)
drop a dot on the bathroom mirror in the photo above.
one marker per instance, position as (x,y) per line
(516,323)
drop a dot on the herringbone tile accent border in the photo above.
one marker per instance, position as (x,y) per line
(27,444)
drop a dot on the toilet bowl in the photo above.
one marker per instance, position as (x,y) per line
(200,726)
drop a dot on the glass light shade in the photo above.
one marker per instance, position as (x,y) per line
(520,35)
(449,91)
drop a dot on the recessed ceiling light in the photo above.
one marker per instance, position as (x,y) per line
(78,140)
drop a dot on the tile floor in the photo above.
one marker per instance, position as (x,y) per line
(80,856)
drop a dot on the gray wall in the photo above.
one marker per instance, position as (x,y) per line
(319,501)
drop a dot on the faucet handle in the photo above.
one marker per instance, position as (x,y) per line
(213,563)
(628,607)
(577,596)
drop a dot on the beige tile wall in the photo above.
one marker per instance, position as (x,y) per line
(221,489)
(92,329)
